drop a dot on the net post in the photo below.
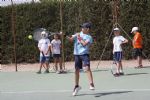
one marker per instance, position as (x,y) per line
(13,26)
(62,36)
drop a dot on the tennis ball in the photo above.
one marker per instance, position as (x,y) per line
(30,37)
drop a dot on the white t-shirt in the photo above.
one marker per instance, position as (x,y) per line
(117,41)
(44,45)
(56,46)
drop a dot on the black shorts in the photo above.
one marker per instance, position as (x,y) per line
(82,60)
(57,56)
(137,52)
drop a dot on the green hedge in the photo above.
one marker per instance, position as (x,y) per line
(46,14)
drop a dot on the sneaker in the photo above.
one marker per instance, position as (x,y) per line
(141,66)
(39,72)
(62,71)
(121,73)
(58,72)
(92,86)
(117,74)
(76,90)
(46,71)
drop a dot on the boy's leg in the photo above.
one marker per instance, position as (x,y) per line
(77,75)
(121,68)
(86,65)
(60,63)
(90,77)
(139,59)
(55,61)
(47,64)
(118,67)
(117,58)
(78,66)
(77,87)
(41,64)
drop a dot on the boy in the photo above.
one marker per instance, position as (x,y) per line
(56,49)
(137,46)
(82,42)
(44,48)
(118,40)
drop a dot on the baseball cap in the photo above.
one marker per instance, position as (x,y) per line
(43,32)
(134,29)
(86,25)
(116,29)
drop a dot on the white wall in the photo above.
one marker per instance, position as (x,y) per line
(8,2)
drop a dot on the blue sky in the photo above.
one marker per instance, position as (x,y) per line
(8,2)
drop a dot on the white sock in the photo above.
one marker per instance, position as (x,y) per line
(117,71)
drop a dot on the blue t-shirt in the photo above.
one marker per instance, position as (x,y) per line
(79,49)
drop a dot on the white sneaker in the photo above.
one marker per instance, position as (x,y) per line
(76,90)
(92,86)
(57,72)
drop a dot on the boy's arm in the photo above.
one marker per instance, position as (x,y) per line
(72,37)
(84,43)
(40,49)
(125,41)
(60,45)
(49,49)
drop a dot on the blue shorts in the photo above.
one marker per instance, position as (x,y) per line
(82,60)
(44,59)
(117,56)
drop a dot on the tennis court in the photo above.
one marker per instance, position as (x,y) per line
(27,85)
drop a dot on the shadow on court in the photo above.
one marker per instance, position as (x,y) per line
(135,74)
(105,94)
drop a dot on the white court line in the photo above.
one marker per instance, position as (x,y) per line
(67,91)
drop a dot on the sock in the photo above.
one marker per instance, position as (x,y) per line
(117,71)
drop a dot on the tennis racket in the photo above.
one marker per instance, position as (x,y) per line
(37,33)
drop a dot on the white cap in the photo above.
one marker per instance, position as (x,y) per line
(43,32)
(116,29)
(134,29)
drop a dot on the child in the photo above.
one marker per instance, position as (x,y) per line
(137,46)
(44,48)
(118,40)
(82,42)
(56,49)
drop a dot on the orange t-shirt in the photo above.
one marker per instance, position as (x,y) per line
(137,40)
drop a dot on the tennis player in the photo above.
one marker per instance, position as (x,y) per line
(82,42)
